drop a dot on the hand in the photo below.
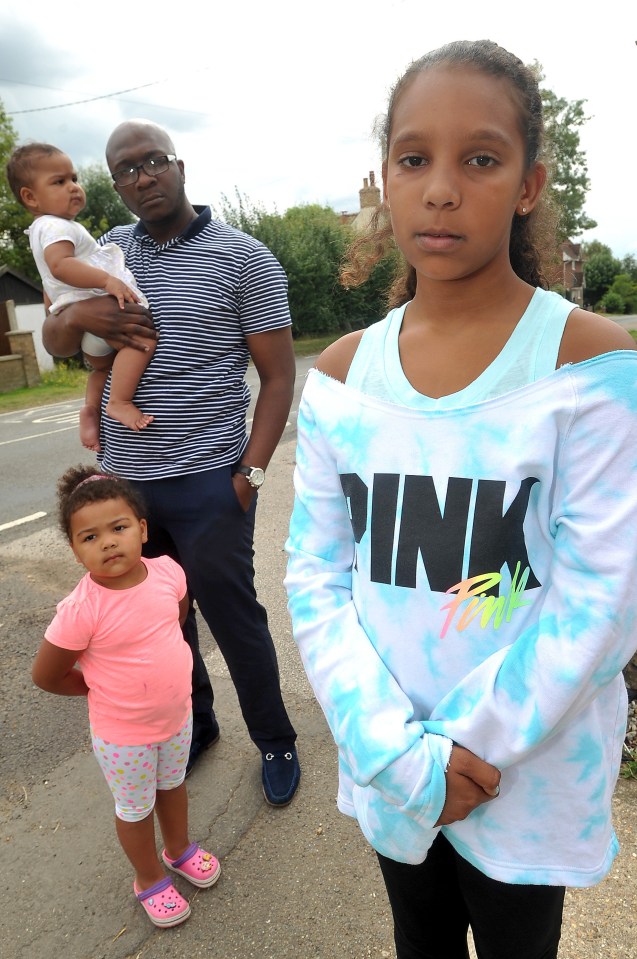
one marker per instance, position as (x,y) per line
(122,293)
(243,491)
(54,670)
(102,316)
(470,782)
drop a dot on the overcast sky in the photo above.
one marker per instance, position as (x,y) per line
(278,99)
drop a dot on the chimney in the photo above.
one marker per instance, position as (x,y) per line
(370,194)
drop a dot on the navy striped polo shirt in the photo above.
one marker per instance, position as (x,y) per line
(208,289)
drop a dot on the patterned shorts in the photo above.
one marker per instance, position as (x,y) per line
(135,773)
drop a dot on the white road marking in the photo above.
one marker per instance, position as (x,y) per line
(72,416)
(36,436)
(25,519)
(38,409)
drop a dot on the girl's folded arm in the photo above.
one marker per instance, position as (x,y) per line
(54,671)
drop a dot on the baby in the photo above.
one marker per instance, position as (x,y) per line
(73,266)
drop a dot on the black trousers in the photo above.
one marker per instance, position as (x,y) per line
(198,521)
(434,904)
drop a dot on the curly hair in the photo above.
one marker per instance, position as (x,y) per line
(81,485)
(530,234)
(22,164)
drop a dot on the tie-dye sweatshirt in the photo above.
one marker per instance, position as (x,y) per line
(469,575)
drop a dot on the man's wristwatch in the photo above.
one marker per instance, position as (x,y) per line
(254,475)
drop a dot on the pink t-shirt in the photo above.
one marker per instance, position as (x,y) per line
(134,658)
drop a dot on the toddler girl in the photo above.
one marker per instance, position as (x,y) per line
(117,639)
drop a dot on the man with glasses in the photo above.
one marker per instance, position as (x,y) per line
(218,298)
(151,167)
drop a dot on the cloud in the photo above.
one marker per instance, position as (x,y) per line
(26,53)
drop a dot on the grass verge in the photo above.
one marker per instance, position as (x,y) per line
(312,345)
(65,382)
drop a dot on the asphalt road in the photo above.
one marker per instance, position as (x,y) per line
(36,445)
(297,883)
(628,322)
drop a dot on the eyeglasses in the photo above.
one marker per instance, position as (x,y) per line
(151,167)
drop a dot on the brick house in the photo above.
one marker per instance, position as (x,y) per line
(572,278)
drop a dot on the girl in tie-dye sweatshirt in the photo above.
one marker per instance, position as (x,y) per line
(462,551)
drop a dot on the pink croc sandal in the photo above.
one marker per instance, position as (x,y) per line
(164,906)
(196,865)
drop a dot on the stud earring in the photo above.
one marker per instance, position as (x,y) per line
(523,209)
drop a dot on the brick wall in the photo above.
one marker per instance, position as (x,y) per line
(21,368)
(12,375)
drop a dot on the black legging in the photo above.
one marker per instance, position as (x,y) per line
(434,904)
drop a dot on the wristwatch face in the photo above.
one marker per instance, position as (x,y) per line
(256,477)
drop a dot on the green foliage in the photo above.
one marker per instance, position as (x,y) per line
(611,284)
(568,183)
(14,219)
(629,266)
(625,288)
(66,374)
(104,207)
(313,345)
(612,302)
(599,272)
(310,242)
(629,763)
(629,769)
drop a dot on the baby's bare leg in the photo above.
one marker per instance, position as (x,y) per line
(128,366)
(90,412)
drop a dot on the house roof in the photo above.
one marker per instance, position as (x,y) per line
(20,277)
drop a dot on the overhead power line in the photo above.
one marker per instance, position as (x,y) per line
(74,103)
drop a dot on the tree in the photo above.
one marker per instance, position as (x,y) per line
(568,183)
(612,302)
(599,272)
(611,284)
(310,242)
(312,249)
(104,207)
(14,219)
(625,288)
(629,266)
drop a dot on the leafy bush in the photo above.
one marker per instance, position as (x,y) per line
(66,373)
(625,287)
(612,302)
(599,272)
(310,242)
